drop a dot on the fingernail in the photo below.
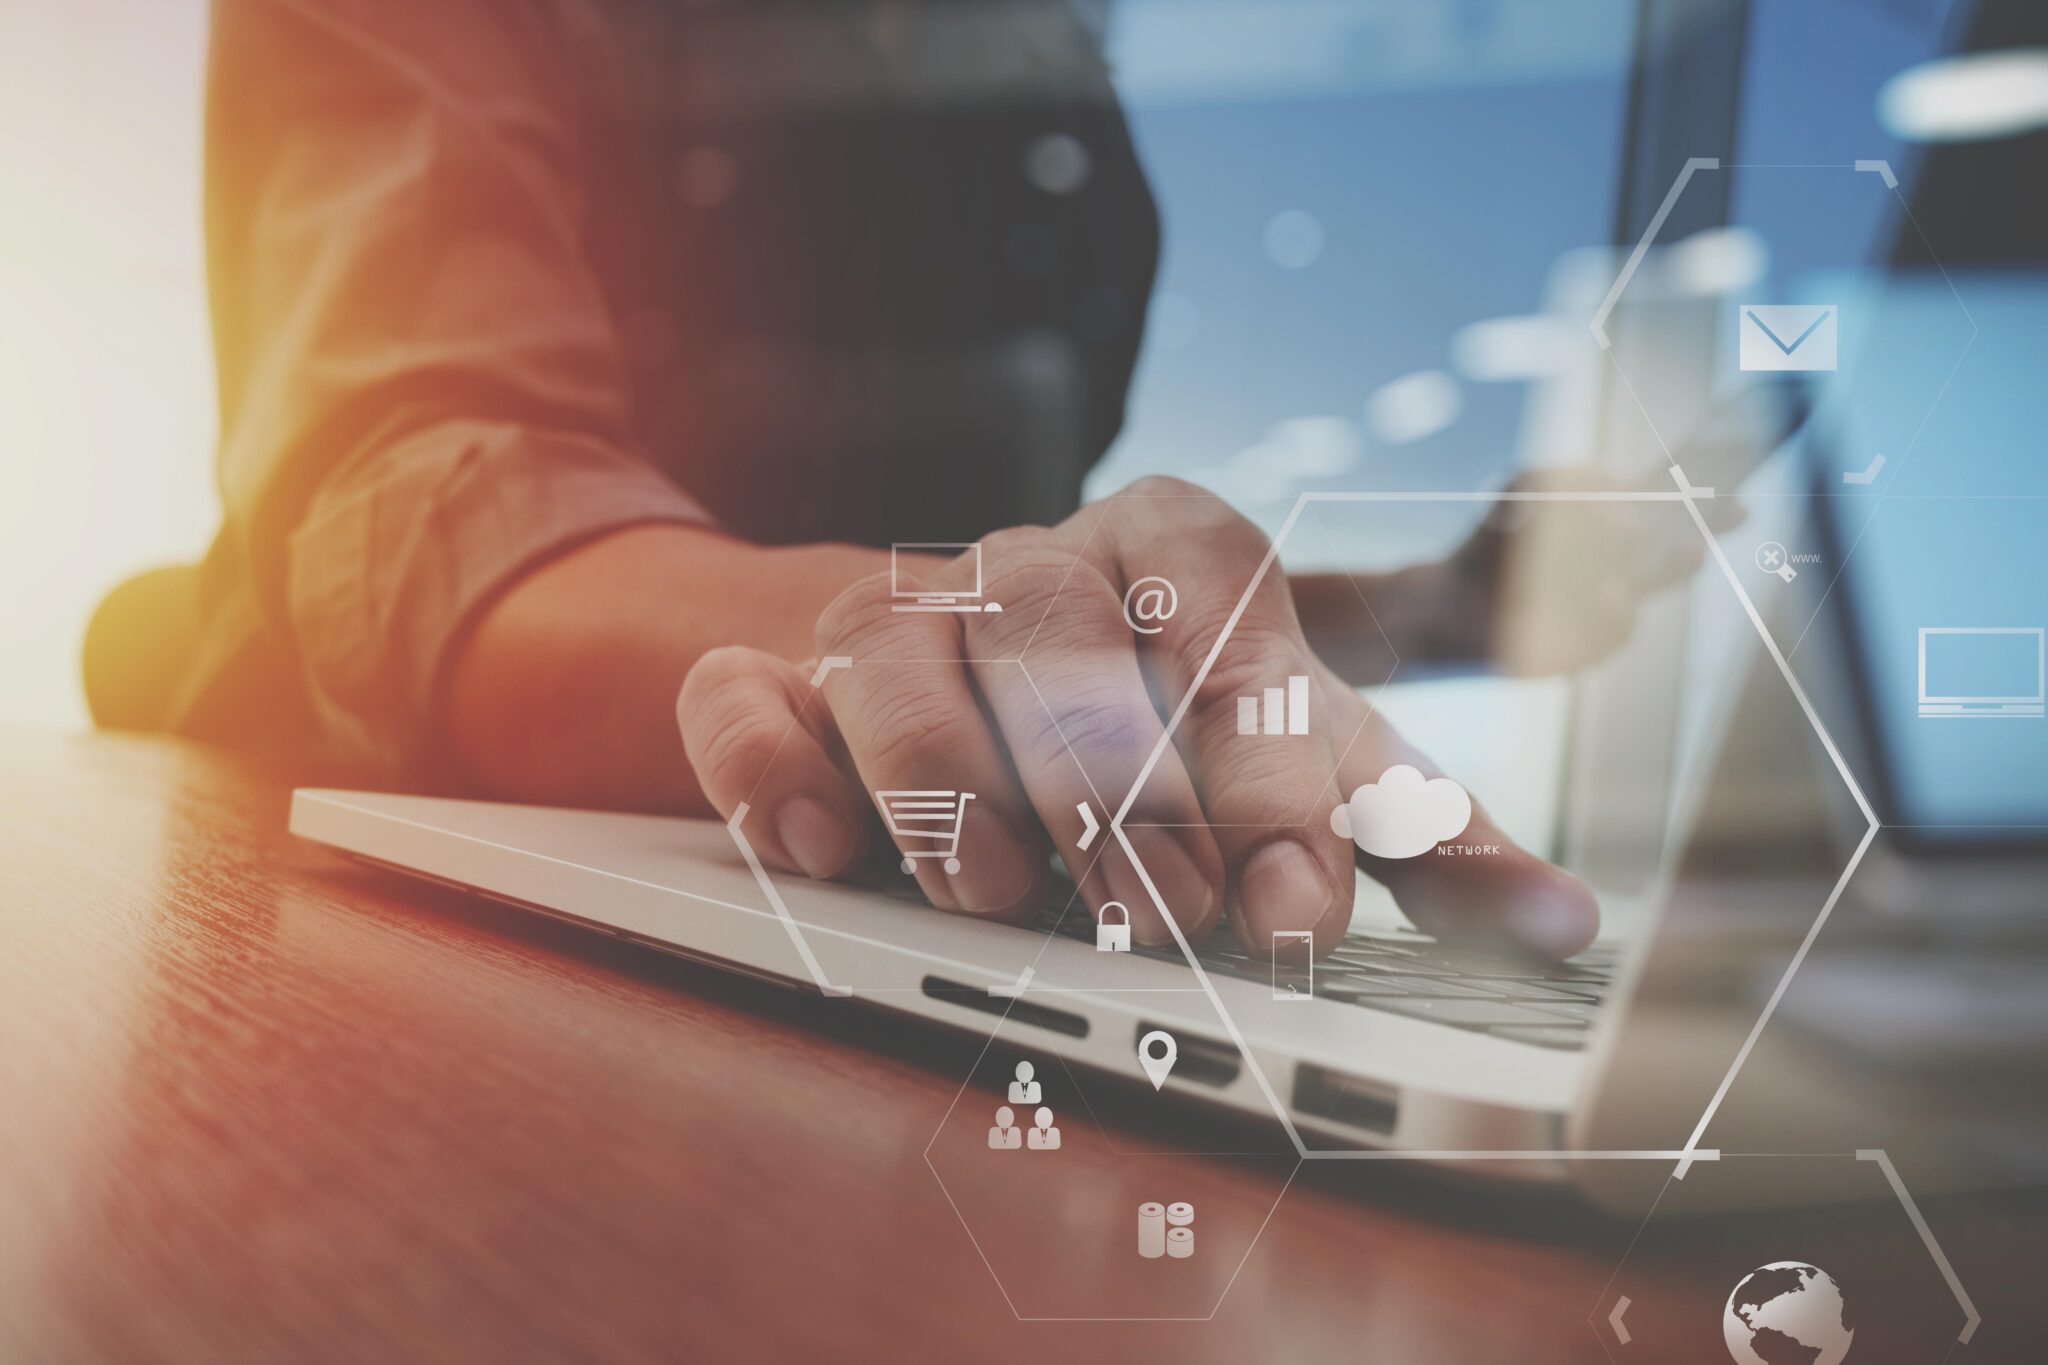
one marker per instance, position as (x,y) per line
(1283,888)
(996,869)
(822,843)
(1188,894)
(1557,924)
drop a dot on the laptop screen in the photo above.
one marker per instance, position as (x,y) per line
(1920,490)
(1943,598)
(1935,561)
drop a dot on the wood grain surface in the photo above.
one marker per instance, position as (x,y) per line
(262,1104)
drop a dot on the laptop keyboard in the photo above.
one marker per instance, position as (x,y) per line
(1550,1005)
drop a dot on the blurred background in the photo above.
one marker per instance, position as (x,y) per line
(106,373)
(1342,303)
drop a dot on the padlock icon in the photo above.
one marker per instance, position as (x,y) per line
(1113,938)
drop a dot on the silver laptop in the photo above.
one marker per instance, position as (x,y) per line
(1392,1045)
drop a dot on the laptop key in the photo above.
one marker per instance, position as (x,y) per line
(1466,1013)
(1420,987)
(1358,987)
(1373,947)
(1535,993)
(1569,1009)
(1394,967)
(1548,1036)
(1439,987)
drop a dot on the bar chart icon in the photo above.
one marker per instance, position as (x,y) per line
(1277,710)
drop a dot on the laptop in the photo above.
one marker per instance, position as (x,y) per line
(1393,1045)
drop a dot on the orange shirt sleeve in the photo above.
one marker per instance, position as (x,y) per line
(421,382)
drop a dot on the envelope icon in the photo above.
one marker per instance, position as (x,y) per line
(1787,336)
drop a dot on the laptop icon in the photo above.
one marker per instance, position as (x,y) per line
(911,597)
(1983,671)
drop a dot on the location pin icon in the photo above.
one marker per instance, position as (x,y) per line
(1157,1053)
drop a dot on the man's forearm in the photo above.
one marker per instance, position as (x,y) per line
(564,691)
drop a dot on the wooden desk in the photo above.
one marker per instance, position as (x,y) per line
(264,1105)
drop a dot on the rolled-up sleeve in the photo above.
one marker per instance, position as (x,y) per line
(422,387)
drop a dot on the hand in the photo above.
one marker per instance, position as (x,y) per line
(937,701)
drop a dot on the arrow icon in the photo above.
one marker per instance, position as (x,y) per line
(1089,826)
(1867,475)
(1614,1320)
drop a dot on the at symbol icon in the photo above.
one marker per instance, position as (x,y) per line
(1150,600)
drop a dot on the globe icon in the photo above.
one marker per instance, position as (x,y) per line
(1787,1313)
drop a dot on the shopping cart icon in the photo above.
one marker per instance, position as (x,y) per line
(925,815)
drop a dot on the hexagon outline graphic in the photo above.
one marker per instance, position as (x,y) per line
(735,828)
(1221,1294)
(1614,1317)
(1874,166)
(1088,541)
(1685,494)
(1011,991)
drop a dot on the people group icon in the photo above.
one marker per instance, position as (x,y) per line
(1006,1136)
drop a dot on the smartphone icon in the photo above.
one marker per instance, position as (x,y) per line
(1294,965)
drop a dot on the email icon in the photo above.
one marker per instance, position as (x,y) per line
(1787,336)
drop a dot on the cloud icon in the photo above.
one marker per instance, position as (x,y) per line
(1404,814)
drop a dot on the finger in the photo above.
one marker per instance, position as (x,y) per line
(751,738)
(1076,713)
(911,724)
(1267,796)
(1479,885)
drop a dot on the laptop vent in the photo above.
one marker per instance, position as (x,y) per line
(1019,1011)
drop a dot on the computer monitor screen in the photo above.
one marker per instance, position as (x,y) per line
(899,586)
(1987,669)
(1922,463)
(1939,598)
